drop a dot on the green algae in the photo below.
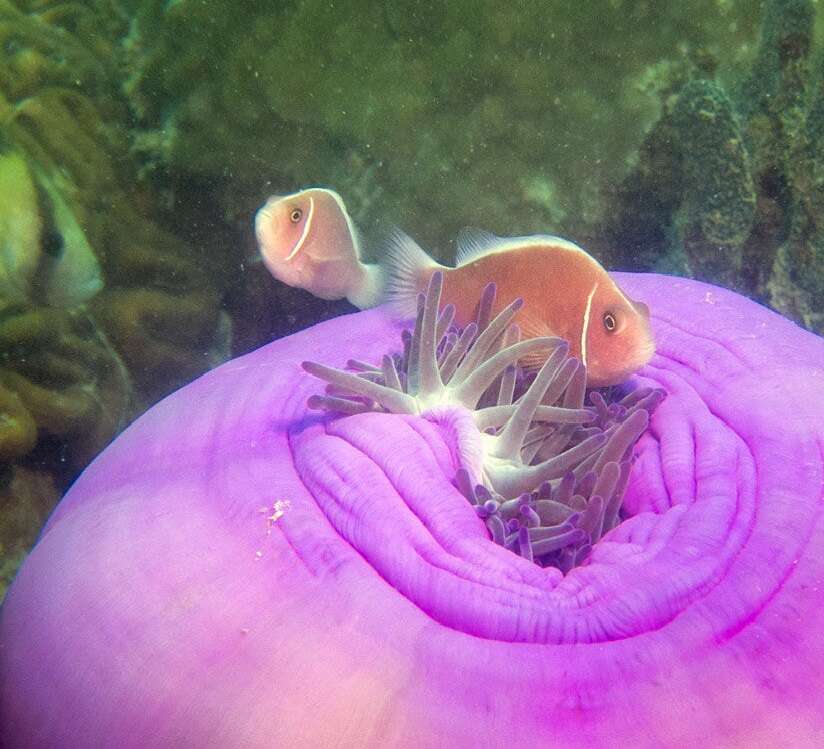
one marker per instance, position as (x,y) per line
(465,114)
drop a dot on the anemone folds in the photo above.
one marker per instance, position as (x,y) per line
(240,570)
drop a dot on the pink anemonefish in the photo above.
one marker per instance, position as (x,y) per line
(566,293)
(308,240)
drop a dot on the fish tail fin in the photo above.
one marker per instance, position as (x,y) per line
(369,290)
(406,270)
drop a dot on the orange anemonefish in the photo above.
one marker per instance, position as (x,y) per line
(308,241)
(566,293)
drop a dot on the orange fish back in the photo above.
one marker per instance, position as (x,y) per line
(554,282)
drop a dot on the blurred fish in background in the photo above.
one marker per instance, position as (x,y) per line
(45,257)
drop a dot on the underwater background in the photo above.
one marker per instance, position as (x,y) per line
(137,140)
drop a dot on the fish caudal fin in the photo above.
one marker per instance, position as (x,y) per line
(406,271)
(369,291)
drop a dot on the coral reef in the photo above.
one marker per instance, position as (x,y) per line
(137,136)
(506,118)
(73,374)
(729,182)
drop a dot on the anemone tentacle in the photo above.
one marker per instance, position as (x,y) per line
(552,472)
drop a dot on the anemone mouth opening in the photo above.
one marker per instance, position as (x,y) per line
(554,459)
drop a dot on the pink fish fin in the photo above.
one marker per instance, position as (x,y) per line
(532,362)
(406,270)
(474,243)
(533,326)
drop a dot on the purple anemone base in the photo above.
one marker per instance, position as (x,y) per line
(238,571)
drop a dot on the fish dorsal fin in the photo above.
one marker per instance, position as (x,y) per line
(406,269)
(474,243)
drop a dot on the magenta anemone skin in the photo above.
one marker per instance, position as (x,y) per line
(236,571)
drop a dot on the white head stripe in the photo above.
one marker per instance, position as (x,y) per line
(305,232)
(585,326)
(353,233)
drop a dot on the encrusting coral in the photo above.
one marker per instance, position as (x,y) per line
(507,119)
(66,376)
(18,429)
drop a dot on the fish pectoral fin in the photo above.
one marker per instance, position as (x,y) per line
(533,361)
(532,326)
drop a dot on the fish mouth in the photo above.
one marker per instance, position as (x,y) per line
(637,362)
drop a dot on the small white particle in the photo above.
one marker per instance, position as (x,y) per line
(278,510)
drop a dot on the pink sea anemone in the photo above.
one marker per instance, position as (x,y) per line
(236,570)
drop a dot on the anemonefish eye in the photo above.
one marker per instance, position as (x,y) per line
(296,215)
(610,323)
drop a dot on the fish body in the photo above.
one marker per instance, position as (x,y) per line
(308,241)
(44,254)
(20,226)
(566,293)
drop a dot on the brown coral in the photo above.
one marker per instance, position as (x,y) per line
(18,430)
(728,187)
(67,376)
